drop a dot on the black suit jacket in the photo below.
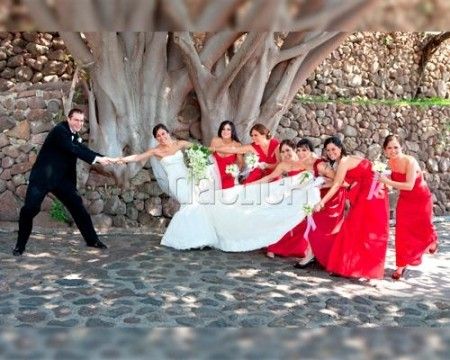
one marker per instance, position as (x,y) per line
(56,162)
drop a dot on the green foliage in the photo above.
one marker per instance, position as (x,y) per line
(59,213)
(388,40)
(425,102)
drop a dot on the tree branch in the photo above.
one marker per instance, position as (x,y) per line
(251,42)
(313,59)
(199,73)
(78,48)
(302,48)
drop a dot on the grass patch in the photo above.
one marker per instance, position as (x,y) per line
(425,102)
(59,213)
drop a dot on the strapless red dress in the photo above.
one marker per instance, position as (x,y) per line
(328,222)
(359,248)
(222,163)
(269,158)
(414,230)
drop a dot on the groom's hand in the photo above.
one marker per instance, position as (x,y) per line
(104,160)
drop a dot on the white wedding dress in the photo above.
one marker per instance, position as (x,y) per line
(242,218)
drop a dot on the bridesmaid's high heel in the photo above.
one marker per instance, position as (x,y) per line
(397,275)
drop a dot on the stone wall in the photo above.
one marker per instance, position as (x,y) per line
(381,66)
(31,58)
(425,131)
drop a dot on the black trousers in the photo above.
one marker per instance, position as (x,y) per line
(68,195)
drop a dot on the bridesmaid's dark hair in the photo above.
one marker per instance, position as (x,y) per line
(389,138)
(157,127)
(234,135)
(289,143)
(337,142)
(305,144)
(262,130)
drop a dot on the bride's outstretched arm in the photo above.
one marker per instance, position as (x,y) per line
(138,157)
(183,144)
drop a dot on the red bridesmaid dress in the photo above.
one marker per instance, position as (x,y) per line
(269,158)
(328,221)
(222,163)
(359,248)
(292,243)
(414,230)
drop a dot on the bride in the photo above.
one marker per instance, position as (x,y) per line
(241,218)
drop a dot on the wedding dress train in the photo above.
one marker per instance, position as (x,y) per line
(241,218)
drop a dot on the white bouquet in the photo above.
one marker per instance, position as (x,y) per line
(251,160)
(232,170)
(380,167)
(197,162)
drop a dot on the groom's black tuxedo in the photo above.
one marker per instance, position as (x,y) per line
(56,162)
(55,171)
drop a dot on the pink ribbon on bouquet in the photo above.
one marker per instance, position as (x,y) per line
(375,186)
(311,225)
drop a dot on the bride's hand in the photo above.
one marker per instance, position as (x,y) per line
(119,160)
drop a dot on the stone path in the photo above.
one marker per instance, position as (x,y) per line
(137,283)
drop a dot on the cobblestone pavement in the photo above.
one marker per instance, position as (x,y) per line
(136,283)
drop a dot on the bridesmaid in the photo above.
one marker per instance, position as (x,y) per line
(262,145)
(359,248)
(329,219)
(292,243)
(226,136)
(414,230)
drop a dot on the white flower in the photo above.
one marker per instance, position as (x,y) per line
(79,139)
(251,160)
(232,170)
(379,167)
(197,162)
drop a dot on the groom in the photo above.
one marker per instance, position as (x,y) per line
(55,172)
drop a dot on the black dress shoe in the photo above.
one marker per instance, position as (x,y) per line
(18,251)
(300,265)
(98,244)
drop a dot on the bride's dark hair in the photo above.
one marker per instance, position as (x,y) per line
(157,127)
(234,135)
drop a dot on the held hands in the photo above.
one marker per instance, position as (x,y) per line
(105,160)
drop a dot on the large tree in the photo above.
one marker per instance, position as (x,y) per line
(142,74)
